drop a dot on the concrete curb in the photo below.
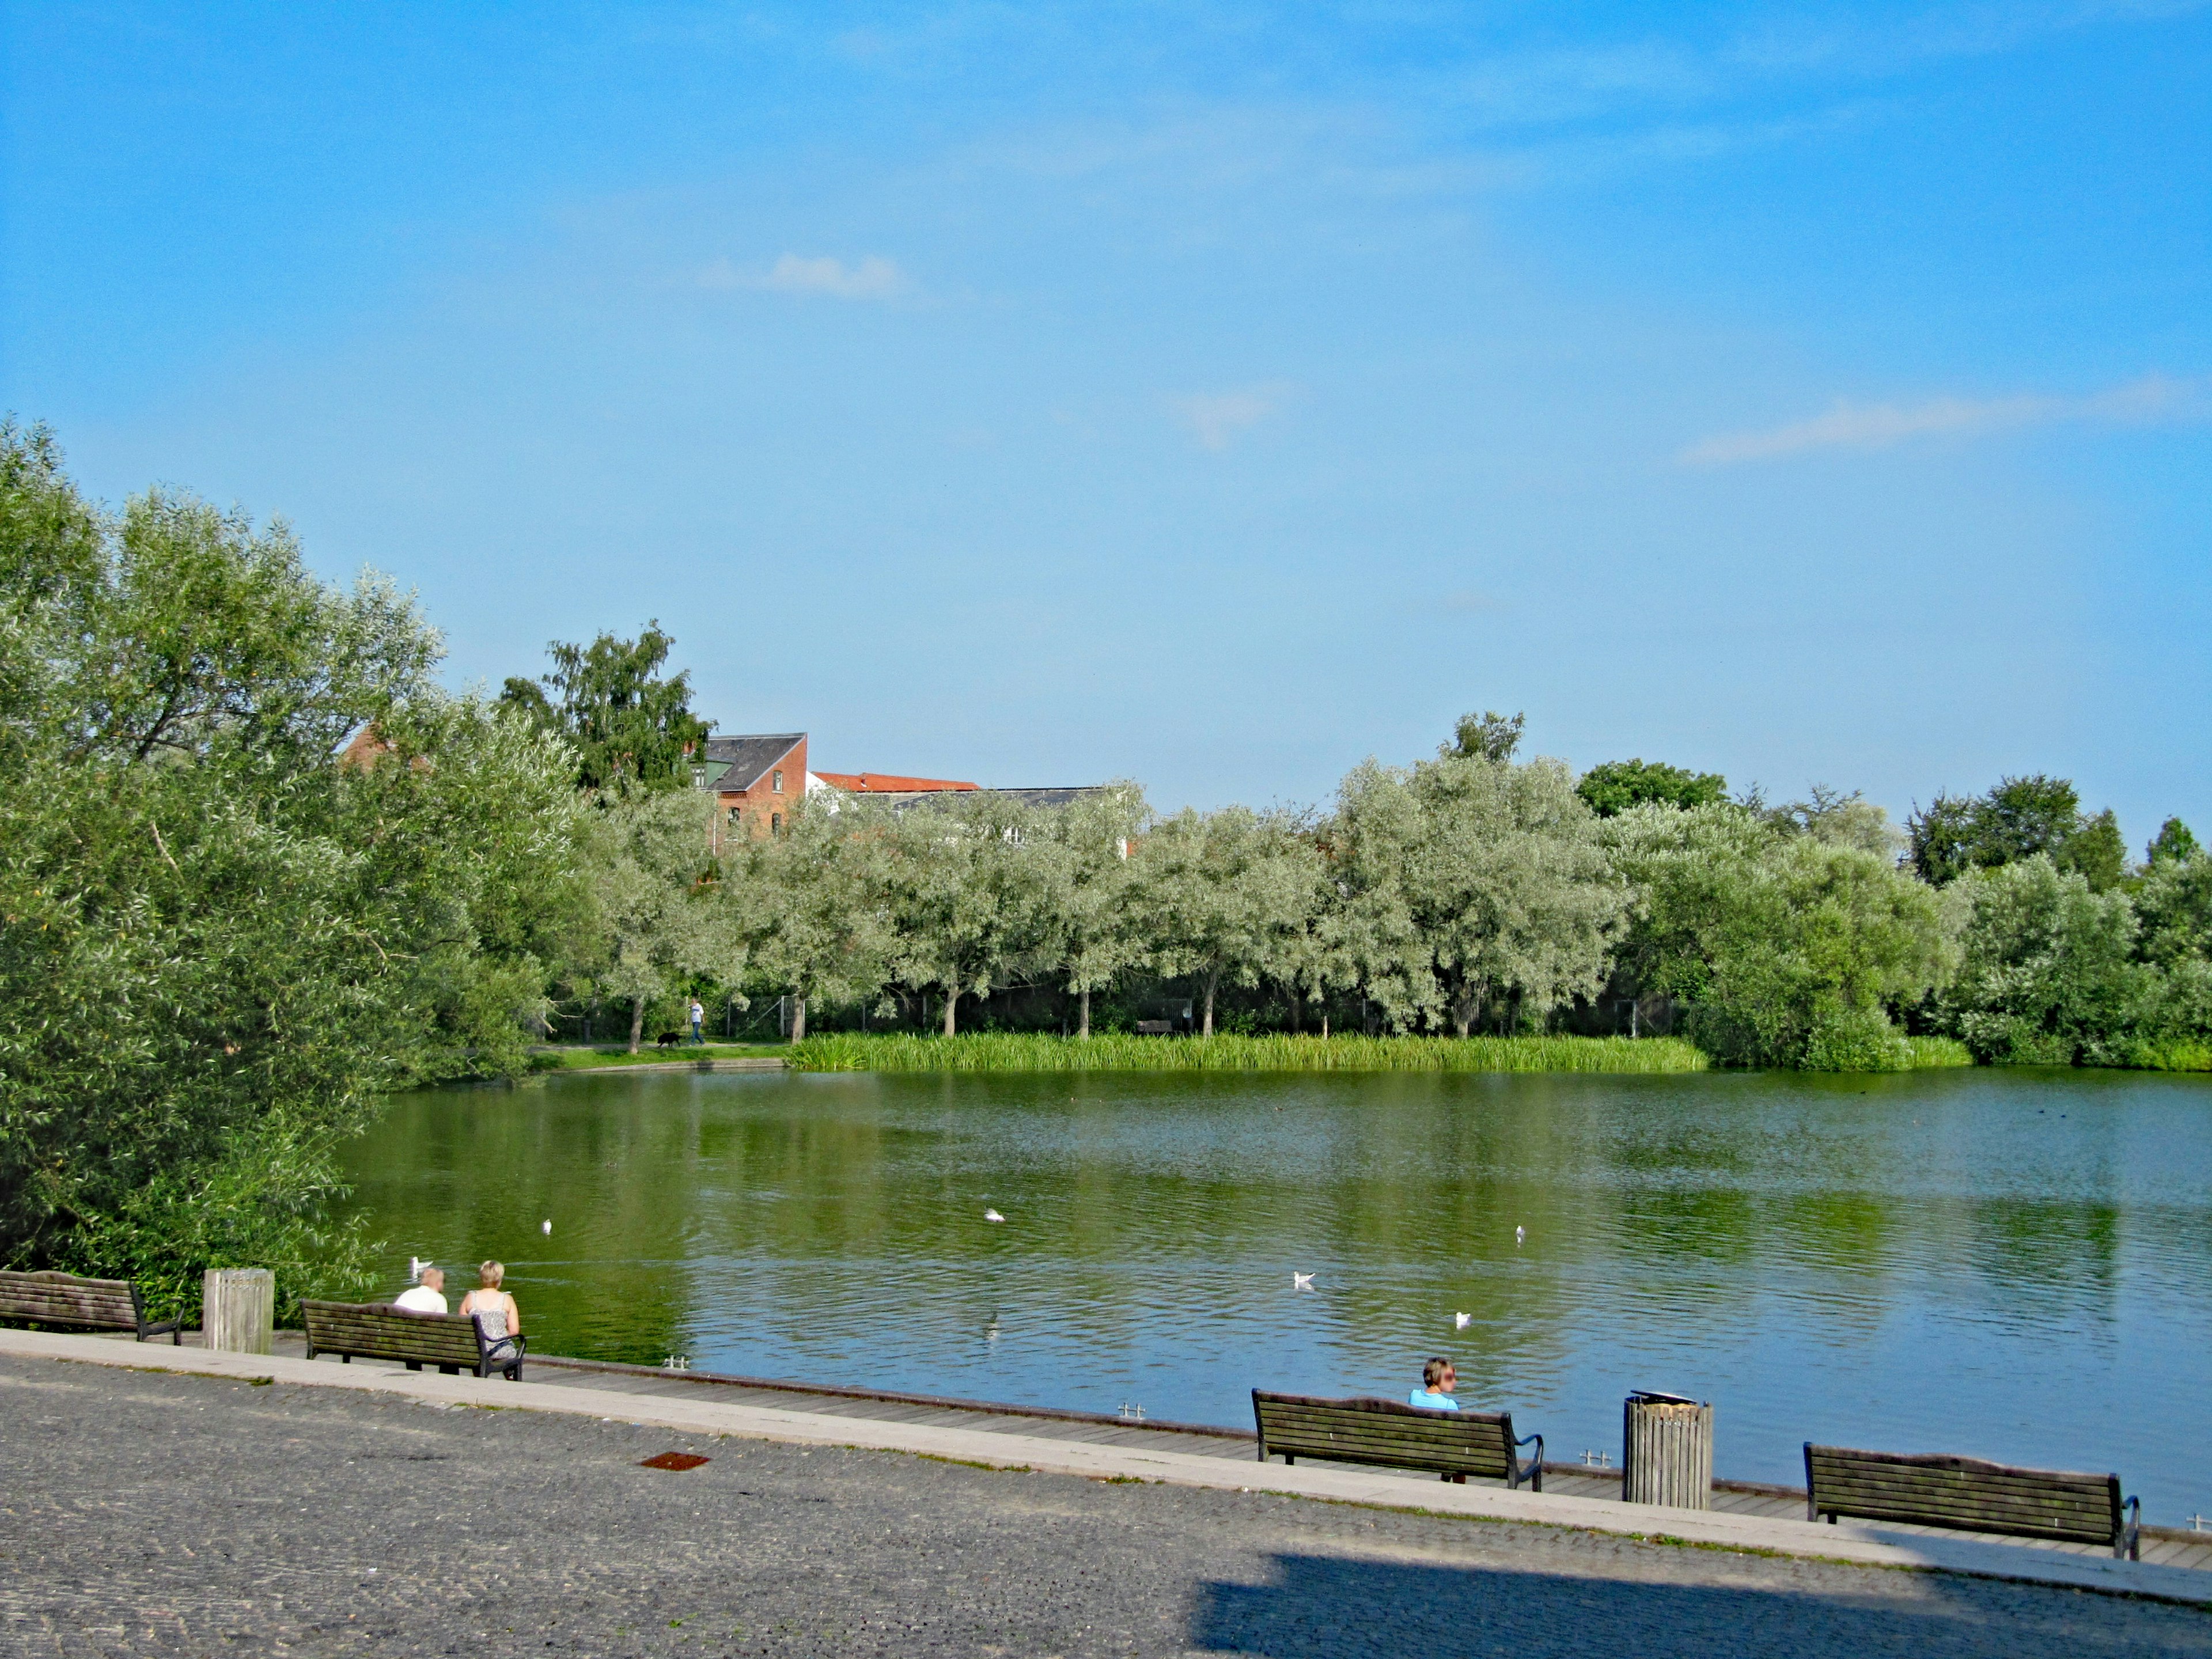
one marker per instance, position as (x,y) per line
(1856,1543)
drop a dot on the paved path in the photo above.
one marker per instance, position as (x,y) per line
(145,1511)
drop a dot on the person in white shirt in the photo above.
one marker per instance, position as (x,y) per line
(698,1014)
(429,1297)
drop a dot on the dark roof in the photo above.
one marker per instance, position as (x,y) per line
(1054,797)
(744,761)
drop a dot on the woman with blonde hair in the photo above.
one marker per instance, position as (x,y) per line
(494,1307)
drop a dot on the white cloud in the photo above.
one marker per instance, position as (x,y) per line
(1877,426)
(873,277)
(1215,419)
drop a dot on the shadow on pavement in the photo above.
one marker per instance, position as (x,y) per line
(1325,1607)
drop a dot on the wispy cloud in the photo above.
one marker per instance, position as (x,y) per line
(873,277)
(1216,417)
(1877,426)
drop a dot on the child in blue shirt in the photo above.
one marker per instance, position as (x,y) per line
(1439,1378)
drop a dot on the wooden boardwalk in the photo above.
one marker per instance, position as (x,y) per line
(2164,1546)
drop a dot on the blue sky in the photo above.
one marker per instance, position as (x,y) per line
(1209,394)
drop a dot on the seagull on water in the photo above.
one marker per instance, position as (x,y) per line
(993,1215)
(1461,1322)
(1520,1233)
(1301,1281)
(548,1228)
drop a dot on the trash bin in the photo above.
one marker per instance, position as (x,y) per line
(238,1310)
(1667,1450)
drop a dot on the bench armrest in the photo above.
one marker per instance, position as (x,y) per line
(2128,1545)
(1530,1469)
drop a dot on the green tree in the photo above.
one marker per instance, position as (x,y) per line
(1789,948)
(219,943)
(629,724)
(1471,883)
(2096,852)
(1616,786)
(1089,937)
(1226,896)
(1488,736)
(2049,974)
(1840,820)
(814,905)
(969,897)
(2019,818)
(666,921)
(2173,842)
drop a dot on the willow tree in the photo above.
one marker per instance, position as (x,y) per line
(667,922)
(1226,896)
(1090,936)
(813,904)
(1471,883)
(969,890)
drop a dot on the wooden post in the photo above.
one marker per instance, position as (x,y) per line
(1669,1451)
(238,1310)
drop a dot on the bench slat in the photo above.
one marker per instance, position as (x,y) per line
(1379,1431)
(379,1331)
(1964,1493)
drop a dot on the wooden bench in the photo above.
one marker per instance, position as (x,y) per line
(1454,1444)
(1973,1496)
(374,1330)
(95,1304)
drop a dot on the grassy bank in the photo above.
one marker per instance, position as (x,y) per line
(584,1058)
(1011,1052)
(1934,1053)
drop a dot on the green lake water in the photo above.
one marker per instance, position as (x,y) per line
(2015,1265)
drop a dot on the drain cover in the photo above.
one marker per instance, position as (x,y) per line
(673,1460)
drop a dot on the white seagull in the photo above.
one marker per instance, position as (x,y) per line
(1301,1281)
(993,1215)
(415,1265)
(1520,1233)
(1461,1322)
(549,1227)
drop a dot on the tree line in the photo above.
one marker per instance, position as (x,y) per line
(258,868)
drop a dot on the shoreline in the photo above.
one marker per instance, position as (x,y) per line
(645,1402)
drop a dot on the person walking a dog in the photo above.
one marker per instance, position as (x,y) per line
(698,1014)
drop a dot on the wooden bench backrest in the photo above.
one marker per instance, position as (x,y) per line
(55,1298)
(1964,1493)
(1480,1443)
(375,1330)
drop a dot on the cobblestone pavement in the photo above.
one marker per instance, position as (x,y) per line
(144,1513)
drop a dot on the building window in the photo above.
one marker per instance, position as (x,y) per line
(736,812)
(777,783)
(775,822)
(698,777)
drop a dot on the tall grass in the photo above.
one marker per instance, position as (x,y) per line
(993,1051)
(1934,1053)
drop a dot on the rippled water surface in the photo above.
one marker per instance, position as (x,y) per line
(2016,1265)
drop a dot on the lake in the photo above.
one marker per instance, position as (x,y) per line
(2016,1265)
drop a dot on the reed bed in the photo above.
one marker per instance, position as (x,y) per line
(1935,1053)
(993,1051)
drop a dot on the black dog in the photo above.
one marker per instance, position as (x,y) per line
(668,1039)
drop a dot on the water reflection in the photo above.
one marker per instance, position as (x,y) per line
(2006,1263)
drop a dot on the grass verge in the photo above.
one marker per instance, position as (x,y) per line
(1021,1052)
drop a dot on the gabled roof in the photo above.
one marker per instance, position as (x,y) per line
(745,760)
(886,783)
